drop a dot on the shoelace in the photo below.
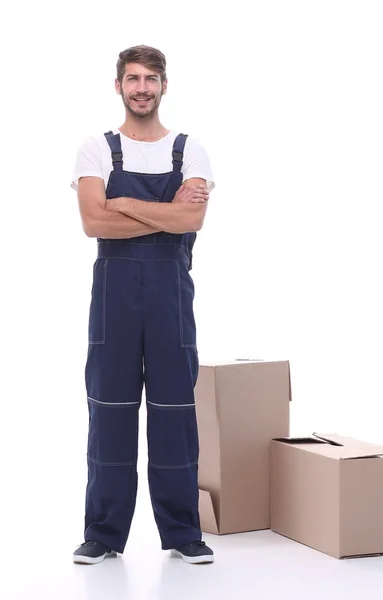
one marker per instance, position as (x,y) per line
(94,543)
(198,543)
(89,543)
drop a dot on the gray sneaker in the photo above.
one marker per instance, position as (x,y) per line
(195,553)
(92,552)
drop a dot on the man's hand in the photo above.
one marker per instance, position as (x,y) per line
(191,193)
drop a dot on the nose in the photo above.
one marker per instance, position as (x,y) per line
(142,85)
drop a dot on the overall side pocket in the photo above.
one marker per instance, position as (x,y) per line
(97,312)
(188,334)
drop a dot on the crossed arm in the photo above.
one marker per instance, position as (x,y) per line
(173,217)
(127,217)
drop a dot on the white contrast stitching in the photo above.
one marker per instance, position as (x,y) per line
(113,403)
(169,405)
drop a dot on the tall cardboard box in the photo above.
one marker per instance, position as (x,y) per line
(241,406)
(327,493)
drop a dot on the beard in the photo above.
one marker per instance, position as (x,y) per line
(143,113)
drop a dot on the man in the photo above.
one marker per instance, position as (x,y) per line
(143,193)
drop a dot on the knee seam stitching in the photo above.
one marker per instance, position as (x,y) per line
(170,405)
(104,464)
(112,403)
(174,467)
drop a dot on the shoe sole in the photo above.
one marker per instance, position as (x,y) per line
(194,560)
(89,560)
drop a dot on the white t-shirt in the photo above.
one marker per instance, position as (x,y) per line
(94,158)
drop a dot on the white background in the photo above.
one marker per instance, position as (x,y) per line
(287,98)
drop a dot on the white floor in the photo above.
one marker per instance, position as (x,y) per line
(253,565)
(42,523)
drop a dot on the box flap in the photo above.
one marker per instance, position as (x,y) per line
(224,362)
(334,446)
(299,440)
(349,448)
(206,512)
(253,360)
(236,361)
(290,393)
(248,360)
(330,438)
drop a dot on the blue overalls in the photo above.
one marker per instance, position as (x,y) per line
(142,330)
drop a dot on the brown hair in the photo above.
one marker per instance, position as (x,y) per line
(144,55)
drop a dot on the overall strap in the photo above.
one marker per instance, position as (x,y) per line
(178,152)
(114,142)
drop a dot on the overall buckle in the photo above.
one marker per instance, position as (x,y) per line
(117,156)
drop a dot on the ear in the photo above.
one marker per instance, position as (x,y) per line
(117,86)
(165,87)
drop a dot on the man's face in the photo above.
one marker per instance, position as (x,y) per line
(141,90)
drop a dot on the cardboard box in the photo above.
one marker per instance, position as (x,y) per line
(327,493)
(241,405)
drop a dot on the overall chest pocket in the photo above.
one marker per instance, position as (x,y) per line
(97,312)
(186,292)
(130,185)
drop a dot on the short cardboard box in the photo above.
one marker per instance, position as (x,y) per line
(327,493)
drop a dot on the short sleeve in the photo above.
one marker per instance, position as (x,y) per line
(88,162)
(197,163)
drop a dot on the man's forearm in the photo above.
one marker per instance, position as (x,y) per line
(173,217)
(115,225)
